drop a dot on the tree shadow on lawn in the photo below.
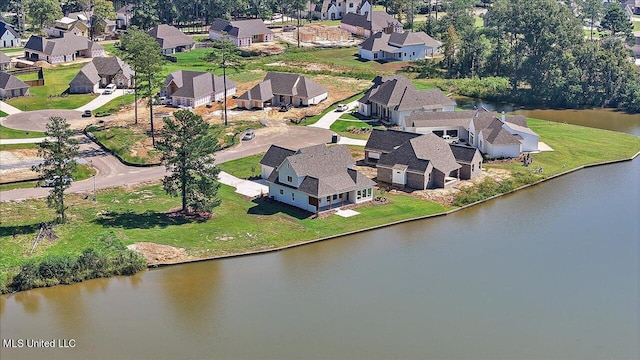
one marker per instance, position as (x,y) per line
(19,230)
(268,206)
(146,220)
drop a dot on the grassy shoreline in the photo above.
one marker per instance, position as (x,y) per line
(242,226)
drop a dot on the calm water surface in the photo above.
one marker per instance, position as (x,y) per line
(552,272)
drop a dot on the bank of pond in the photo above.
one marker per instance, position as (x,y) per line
(92,243)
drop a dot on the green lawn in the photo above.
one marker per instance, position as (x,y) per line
(57,81)
(114,105)
(27,77)
(122,141)
(575,146)
(3,114)
(6,133)
(341,127)
(243,168)
(239,225)
(479,22)
(11,50)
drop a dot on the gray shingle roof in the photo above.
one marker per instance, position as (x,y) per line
(275,156)
(4,59)
(104,66)
(10,82)
(240,28)
(194,84)
(4,28)
(421,151)
(294,85)
(413,38)
(440,118)
(170,37)
(262,92)
(464,154)
(379,21)
(325,171)
(388,140)
(399,94)
(68,44)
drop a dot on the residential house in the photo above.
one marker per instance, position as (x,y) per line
(64,49)
(398,46)
(424,162)
(495,135)
(11,86)
(9,37)
(420,161)
(171,39)
(5,61)
(336,9)
(370,22)
(184,88)
(67,25)
(284,88)
(393,98)
(124,16)
(240,32)
(316,178)
(101,72)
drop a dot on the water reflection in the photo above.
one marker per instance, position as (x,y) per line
(30,301)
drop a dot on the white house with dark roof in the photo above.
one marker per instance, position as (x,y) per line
(5,61)
(316,178)
(398,46)
(171,39)
(11,86)
(336,9)
(284,88)
(394,98)
(240,32)
(496,135)
(420,161)
(65,49)
(101,72)
(77,25)
(184,88)
(9,37)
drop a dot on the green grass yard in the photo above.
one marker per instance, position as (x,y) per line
(49,96)
(7,133)
(243,168)
(114,105)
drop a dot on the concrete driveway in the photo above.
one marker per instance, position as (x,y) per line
(329,118)
(103,99)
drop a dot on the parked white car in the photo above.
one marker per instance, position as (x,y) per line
(342,107)
(109,89)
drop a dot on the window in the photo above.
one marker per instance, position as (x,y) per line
(453,133)
(289,179)
(328,198)
(438,132)
(350,5)
(375,55)
(293,197)
(473,167)
(281,192)
(369,192)
(335,197)
(479,164)
(359,194)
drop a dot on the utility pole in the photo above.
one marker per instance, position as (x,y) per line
(224,83)
(298,27)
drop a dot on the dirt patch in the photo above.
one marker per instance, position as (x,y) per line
(16,164)
(447,196)
(156,253)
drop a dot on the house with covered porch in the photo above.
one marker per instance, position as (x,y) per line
(283,89)
(315,178)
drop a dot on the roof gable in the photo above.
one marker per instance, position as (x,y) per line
(170,37)
(9,82)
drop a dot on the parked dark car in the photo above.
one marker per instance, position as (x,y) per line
(86,113)
(286,107)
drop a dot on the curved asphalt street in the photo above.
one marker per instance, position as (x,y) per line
(111,172)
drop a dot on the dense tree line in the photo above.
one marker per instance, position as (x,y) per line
(540,46)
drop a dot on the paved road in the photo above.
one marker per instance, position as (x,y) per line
(21,141)
(112,172)
(37,120)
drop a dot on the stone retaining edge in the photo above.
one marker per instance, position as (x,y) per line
(258,252)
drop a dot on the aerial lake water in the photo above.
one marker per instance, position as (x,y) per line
(550,272)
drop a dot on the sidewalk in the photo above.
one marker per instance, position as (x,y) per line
(328,119)
(8,108)
(21,141)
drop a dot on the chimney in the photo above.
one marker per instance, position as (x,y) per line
(502,117)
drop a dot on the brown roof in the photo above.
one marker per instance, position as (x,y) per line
(262,92)
(103,66)
(294,85)
(194,84)
(399,94)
